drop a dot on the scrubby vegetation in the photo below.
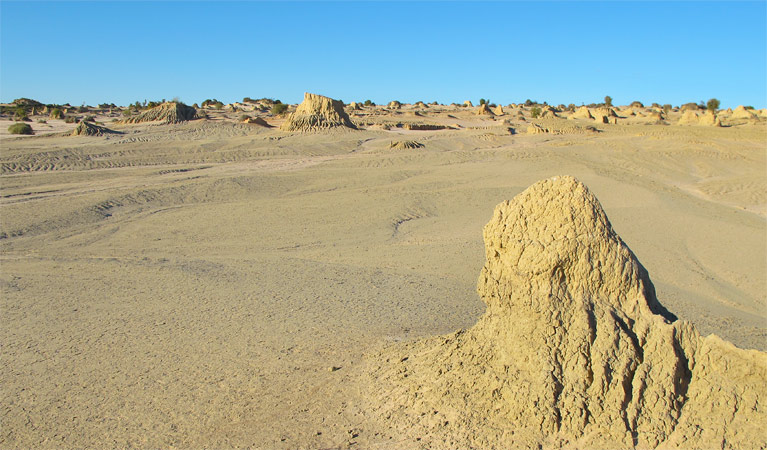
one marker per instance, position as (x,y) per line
(26,102)
(212,103)
(279,109)
(20,128)
(70,119)
(712,105)
(608,101)
(535,112)
(667,108)
(56,114)
(636,104)
(20,114)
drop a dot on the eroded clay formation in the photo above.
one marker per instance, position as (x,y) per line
(574,349)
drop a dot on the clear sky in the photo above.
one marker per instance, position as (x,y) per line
(560,52)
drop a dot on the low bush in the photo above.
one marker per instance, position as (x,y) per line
(70,119)
(42,121)
(20,114)
(535,112)
(56,114)
(20,128)
(244,117)
(279,108)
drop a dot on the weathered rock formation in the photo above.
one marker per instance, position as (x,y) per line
(689,117)
(484,110)
(401,145)
(709,119)
(318,113)
(257,121)
(742,113)
(582,113)
(574,349)
(85,128)
(169,112)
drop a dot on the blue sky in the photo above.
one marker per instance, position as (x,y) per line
(560,52)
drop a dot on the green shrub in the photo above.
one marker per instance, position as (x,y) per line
(712,105)
(82,108)
(127,112)
(749,107)
(20,128)
(56,114)
(89,119)
(368,103)
(279,108)
(636,104)
(70,119)
(666,108)
(608,101)
(482,101)
(244,117)
(42,121)
(20,114)
(535,112)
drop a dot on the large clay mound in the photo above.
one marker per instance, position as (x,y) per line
(574,349)
(317,113)
(85,128)
(169,112)
(689,117)
(709,119)
(742,113)
(582,113)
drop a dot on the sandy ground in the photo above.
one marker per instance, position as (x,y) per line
(218,284)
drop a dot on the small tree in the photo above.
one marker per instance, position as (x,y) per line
(535,112)
(368,103)
(712,105)
(482,101)
(608,101)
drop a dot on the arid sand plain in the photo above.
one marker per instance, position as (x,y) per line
(220,284)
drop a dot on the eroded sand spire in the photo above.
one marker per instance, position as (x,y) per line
(317,113)
(573,350)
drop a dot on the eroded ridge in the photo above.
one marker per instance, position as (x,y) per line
(574,349)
